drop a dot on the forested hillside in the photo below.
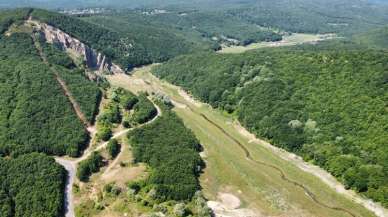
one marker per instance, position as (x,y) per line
(35,113)
(31,185)
(314,16)
(125,47)
(86,92)
(203,28)
(328,106)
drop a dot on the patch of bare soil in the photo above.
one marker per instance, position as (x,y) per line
(189,98)
(228,205)
(123,174)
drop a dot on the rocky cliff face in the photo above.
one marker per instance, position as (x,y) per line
(93,59)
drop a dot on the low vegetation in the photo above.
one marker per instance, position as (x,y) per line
(113,148)
(328,106)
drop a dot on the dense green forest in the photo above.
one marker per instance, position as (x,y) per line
(202,28)
(171,150)
(35,114)
(54,55)
(328,106)
(144,110)
(313,16)
(86,92)
(31,185)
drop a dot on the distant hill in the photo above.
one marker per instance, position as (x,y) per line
(377,38)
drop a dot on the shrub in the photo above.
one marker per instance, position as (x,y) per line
(113,148)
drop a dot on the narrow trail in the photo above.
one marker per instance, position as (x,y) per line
(89,151)
(73,102)
(65,89)
(280,171)
(71,165)
(114,162)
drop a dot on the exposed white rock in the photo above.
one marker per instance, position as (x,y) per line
(94,60)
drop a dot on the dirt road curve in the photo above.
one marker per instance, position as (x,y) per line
(71,165)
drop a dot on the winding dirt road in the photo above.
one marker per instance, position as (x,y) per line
(71,165)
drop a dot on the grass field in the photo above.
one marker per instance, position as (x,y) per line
(290,40)
(259,187)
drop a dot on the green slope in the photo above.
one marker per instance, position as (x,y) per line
(125,46)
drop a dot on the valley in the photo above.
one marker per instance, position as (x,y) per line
(301,188)
(197,109)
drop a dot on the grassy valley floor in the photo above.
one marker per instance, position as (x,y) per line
(265,183)
(290,40)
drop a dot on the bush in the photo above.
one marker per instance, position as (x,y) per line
(112,189)
(89,166)
(113,148)
(104,133)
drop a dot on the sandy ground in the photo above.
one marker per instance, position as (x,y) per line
(228,205)
(189,98)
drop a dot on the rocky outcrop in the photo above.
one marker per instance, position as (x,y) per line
(93,60)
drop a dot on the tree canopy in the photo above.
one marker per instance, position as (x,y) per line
(171,150)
